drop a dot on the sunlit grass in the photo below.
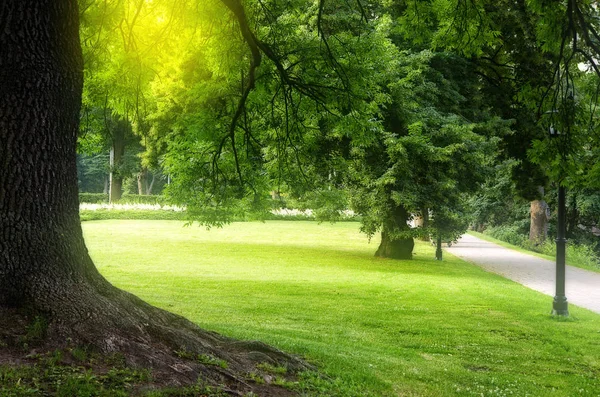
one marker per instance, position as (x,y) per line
(419,327)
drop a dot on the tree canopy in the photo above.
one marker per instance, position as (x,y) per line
(393,109)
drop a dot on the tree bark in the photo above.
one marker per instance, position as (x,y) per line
(142,182)
(391,246)
(151,185)
(538,229)
(44,264)
(41,74)
(539,217)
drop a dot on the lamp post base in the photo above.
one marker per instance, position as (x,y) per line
(560,306)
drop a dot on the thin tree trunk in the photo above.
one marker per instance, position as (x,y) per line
(117,153)
(142,181)
(438,248)
(151,186)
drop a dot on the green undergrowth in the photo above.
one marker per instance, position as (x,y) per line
(69,373)
(77,373)
(374,327)
(76,381)
(581,256)
(51,375)
(102,198)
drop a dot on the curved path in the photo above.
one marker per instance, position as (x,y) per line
(582,286)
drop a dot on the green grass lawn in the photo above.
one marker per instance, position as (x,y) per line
(380,327)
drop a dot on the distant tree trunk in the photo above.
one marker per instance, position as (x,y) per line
(142,181)
(106,184)
(117,153)
(393,247)
(538,229)
(151,186)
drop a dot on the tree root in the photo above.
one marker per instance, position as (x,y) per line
(177,351)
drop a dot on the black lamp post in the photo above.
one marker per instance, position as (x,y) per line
(560,306)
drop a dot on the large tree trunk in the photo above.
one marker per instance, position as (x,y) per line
(391,246)
(395,248)
(44,264)
(538,229)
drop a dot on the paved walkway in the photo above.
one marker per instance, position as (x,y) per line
(582,286)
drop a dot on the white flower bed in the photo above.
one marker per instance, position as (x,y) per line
(307,212)
(289,212)
(157,207)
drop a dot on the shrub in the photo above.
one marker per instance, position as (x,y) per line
(99,198)
(156,215)
(584,255)
(509,234)
(143,199)
(93,198)
(581,255)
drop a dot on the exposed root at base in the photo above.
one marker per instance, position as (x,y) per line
(176,352)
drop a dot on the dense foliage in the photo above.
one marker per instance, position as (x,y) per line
(397,110)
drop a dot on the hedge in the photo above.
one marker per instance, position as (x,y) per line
(155,215)
(99,198)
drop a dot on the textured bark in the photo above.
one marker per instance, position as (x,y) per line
(538,230)
(395,248)
(44,264)
(41,74)
(539,217)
